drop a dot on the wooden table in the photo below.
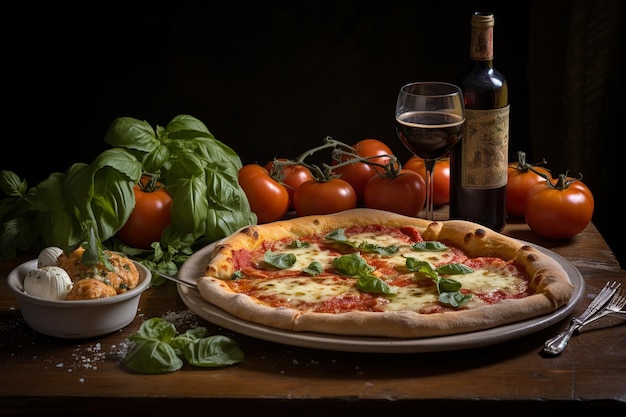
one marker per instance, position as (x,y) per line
(40,374)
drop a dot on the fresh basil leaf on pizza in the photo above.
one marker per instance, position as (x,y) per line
(365,272)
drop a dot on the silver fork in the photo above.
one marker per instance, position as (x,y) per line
(614,306)
(557,344)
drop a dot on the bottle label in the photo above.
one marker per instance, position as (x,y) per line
(485,149)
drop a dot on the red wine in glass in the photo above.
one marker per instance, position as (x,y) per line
(430,118)
(429,135)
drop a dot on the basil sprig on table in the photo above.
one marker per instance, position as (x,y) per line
(198,171)
(159,349)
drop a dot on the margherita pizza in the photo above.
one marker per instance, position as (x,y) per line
(367,272)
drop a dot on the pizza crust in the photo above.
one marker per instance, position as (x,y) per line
(244,307)
(409,324)
(474,239)
(548,279)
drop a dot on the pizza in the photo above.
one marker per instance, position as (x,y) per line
(366,272)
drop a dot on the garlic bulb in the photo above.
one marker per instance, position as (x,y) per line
(48,256)
(49,282)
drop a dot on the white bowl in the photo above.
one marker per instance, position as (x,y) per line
(77,318)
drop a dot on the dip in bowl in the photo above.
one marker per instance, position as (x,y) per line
(75,319)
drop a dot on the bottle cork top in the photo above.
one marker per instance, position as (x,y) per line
(482,19)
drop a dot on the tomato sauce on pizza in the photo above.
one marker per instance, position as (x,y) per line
(375,273)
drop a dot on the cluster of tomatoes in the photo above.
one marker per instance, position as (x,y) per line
(367,175)
(555,207)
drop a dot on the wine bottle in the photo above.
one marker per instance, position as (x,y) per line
(479,162)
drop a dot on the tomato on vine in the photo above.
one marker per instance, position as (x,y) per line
(522,176)
(358,173)
(399,191)
(290,176)
(268,199)
(559,209)
(324,197)
(150,216)
(329,190)
(441,184)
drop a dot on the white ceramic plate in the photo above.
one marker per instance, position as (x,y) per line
(194,267)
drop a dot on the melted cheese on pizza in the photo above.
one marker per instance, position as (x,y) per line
(378,239)
(306,255)
(314,251)
(313,294)
(399,259)
(300,290)
(487,279)
(490,281)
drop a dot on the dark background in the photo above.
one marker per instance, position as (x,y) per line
(276,79)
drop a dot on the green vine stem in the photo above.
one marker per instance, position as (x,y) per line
(523,166)
(563,181)
(560,182)
(341,152)
(151,185)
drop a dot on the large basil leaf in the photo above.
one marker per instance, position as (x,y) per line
(103,191)
(130,133)
(189,204)
(58,224)
(213,351)
(17,233)
(186,122)
(153,356)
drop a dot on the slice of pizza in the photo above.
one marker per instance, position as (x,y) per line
(374,273)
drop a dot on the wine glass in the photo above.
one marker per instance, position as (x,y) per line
(430,116)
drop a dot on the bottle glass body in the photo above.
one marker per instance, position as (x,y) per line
(478,164)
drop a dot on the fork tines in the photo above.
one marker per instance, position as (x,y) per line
(602,298)
(615,305)
(619,299)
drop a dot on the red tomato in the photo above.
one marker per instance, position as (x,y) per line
(559,209)
(521,180)
(358,173)
(441,176)
(579,185)
(403,194)
(290,176)
(324,197)
(268,199)
(150,216)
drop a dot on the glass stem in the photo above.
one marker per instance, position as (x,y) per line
(429,164)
